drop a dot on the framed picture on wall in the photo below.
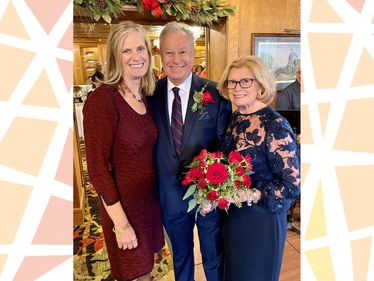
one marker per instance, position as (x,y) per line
(281,54)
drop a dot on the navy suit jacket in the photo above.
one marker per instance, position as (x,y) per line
(202,129)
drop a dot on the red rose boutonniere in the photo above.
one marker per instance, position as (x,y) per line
(202,98)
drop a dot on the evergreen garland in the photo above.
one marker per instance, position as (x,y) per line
(201,12)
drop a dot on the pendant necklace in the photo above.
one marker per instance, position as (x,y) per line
(138,100)
(133,95)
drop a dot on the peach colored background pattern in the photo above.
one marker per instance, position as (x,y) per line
(337,140)
(337,136)
(36,193)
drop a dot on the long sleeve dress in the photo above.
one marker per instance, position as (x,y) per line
(119,145)
(254,236)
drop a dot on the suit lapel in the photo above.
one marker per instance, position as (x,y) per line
(190,119)
(163,102)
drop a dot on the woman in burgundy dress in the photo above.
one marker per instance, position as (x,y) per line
(119,135)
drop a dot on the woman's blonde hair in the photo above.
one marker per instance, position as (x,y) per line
(113,75)
(263,76)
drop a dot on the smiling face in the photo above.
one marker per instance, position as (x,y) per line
(243,98)
(177,55)
(135,57)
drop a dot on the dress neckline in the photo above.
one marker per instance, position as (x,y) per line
(129,105)
(255,112)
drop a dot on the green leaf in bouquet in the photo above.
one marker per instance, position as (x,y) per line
(190,191)
(191,205)
(238,204)
(229,182)
(249,172)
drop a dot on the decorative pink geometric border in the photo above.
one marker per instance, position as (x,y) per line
(337,151)
(36,191)
(36,154)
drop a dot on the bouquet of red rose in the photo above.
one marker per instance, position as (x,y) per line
(217,181)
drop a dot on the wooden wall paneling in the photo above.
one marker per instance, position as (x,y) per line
(270,16)
(81,47)
(102,52)
(78,72)
(216,51)
(232,32)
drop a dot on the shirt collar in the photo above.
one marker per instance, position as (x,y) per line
(185,86)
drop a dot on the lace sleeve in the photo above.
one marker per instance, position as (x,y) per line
(283,189)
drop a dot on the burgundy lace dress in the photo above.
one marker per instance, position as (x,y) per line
(119,144)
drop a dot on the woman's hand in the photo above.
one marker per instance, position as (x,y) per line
(205,209)
(126,237)
(250,195)
(255,195)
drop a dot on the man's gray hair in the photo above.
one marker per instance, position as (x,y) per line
(177,27)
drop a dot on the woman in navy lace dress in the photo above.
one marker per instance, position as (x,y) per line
(254,236)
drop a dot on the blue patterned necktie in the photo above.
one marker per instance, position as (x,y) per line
(177,121)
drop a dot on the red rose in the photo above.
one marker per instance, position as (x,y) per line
(223,203)
(202,155)
(202,183)
(235,157)
(248,158)
(247,180)
(239,171)
(202,164)
(196,173)
(212,195)
(237,184)
(187,179)
(217,155)
(207,98)
(217,173)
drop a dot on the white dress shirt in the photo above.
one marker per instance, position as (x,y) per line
(184,92)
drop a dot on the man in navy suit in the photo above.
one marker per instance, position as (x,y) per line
(200,129)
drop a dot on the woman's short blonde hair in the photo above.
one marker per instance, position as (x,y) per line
(114,68)
(263,76)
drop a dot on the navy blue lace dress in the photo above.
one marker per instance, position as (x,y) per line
(254,236)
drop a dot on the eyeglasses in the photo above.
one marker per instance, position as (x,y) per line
(244,83)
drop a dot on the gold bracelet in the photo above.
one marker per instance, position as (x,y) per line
(121,230)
